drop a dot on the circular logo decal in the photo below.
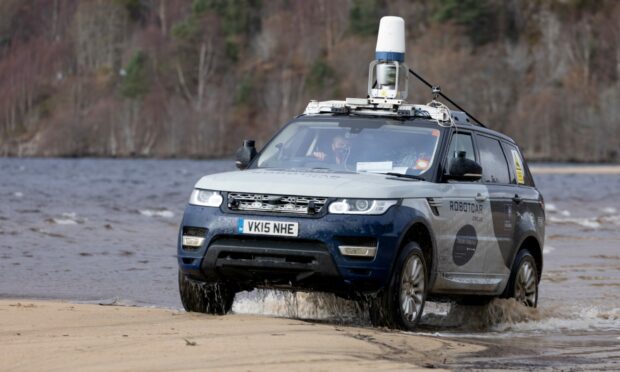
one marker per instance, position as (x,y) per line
(464,245)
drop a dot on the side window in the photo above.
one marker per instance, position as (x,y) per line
(492,160)
(518,169)
(461,142)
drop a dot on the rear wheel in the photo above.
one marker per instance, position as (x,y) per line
(200,297)
(523,283)
(401,305)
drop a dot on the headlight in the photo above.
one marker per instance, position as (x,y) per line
(206,198)
(360,206)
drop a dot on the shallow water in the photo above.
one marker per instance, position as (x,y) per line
(105,230)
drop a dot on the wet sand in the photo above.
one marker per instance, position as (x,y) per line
(45,335)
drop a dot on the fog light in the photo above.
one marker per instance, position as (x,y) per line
(357,251)
(193,241)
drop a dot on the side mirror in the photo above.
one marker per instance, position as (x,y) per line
(245,154)
(463,169)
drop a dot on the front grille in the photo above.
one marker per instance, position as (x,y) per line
(270,242)
(266,257)
(275,203)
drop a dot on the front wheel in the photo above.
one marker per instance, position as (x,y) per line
(523,282)
(211,298)
(401,305)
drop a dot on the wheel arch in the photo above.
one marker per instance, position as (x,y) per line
(419,231)
(532,244)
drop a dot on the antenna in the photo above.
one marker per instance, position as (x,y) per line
(437,91)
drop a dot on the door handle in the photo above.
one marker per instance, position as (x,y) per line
(517,199)
(480,197)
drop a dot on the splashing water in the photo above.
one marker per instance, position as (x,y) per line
(480,317)
(300,305)
(500,315)
(583,319)
(510,317)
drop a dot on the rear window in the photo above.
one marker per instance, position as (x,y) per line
(492,160)
(519,174)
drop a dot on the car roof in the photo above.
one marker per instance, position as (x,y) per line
(487,131)
(460,125)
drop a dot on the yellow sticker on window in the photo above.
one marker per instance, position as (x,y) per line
(518,167)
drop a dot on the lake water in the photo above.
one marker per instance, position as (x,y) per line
(104,231)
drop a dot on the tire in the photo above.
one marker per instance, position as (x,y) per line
(210,298)
(401,305)
(523,282)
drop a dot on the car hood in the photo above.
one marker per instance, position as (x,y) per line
(319,183)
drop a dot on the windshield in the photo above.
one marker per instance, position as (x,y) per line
(355,145)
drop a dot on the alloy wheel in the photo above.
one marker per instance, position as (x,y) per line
(412,288)
(525,284)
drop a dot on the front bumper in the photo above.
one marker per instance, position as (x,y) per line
(312,260)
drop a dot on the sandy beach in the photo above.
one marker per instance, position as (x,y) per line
(42,335)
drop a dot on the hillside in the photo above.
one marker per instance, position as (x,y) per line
(183,78)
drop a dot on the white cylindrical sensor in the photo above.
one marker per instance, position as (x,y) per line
(391,39)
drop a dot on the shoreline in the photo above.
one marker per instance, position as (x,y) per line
(51,335)
(576,169)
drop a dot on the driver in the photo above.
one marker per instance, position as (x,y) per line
(340,150)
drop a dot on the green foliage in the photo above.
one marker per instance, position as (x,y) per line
(136,82)
(45,106)
(137,9)
(477,16)
(186,30)
(364,16)
(237,19)
(231,49)
(189,29)
(199,7)
(5,40)
(321,74)
(244,90)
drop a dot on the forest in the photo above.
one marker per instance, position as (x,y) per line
(192,78)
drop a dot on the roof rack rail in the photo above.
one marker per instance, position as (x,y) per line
(385,107)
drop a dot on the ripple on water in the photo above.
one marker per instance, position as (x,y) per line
(156,213)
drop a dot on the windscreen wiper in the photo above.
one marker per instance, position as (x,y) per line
(328,170)
(411,176)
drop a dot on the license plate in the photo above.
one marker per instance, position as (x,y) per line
(262,227)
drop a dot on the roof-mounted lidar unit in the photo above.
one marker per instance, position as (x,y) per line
(387,74)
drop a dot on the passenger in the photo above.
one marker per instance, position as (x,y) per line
(340,150)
